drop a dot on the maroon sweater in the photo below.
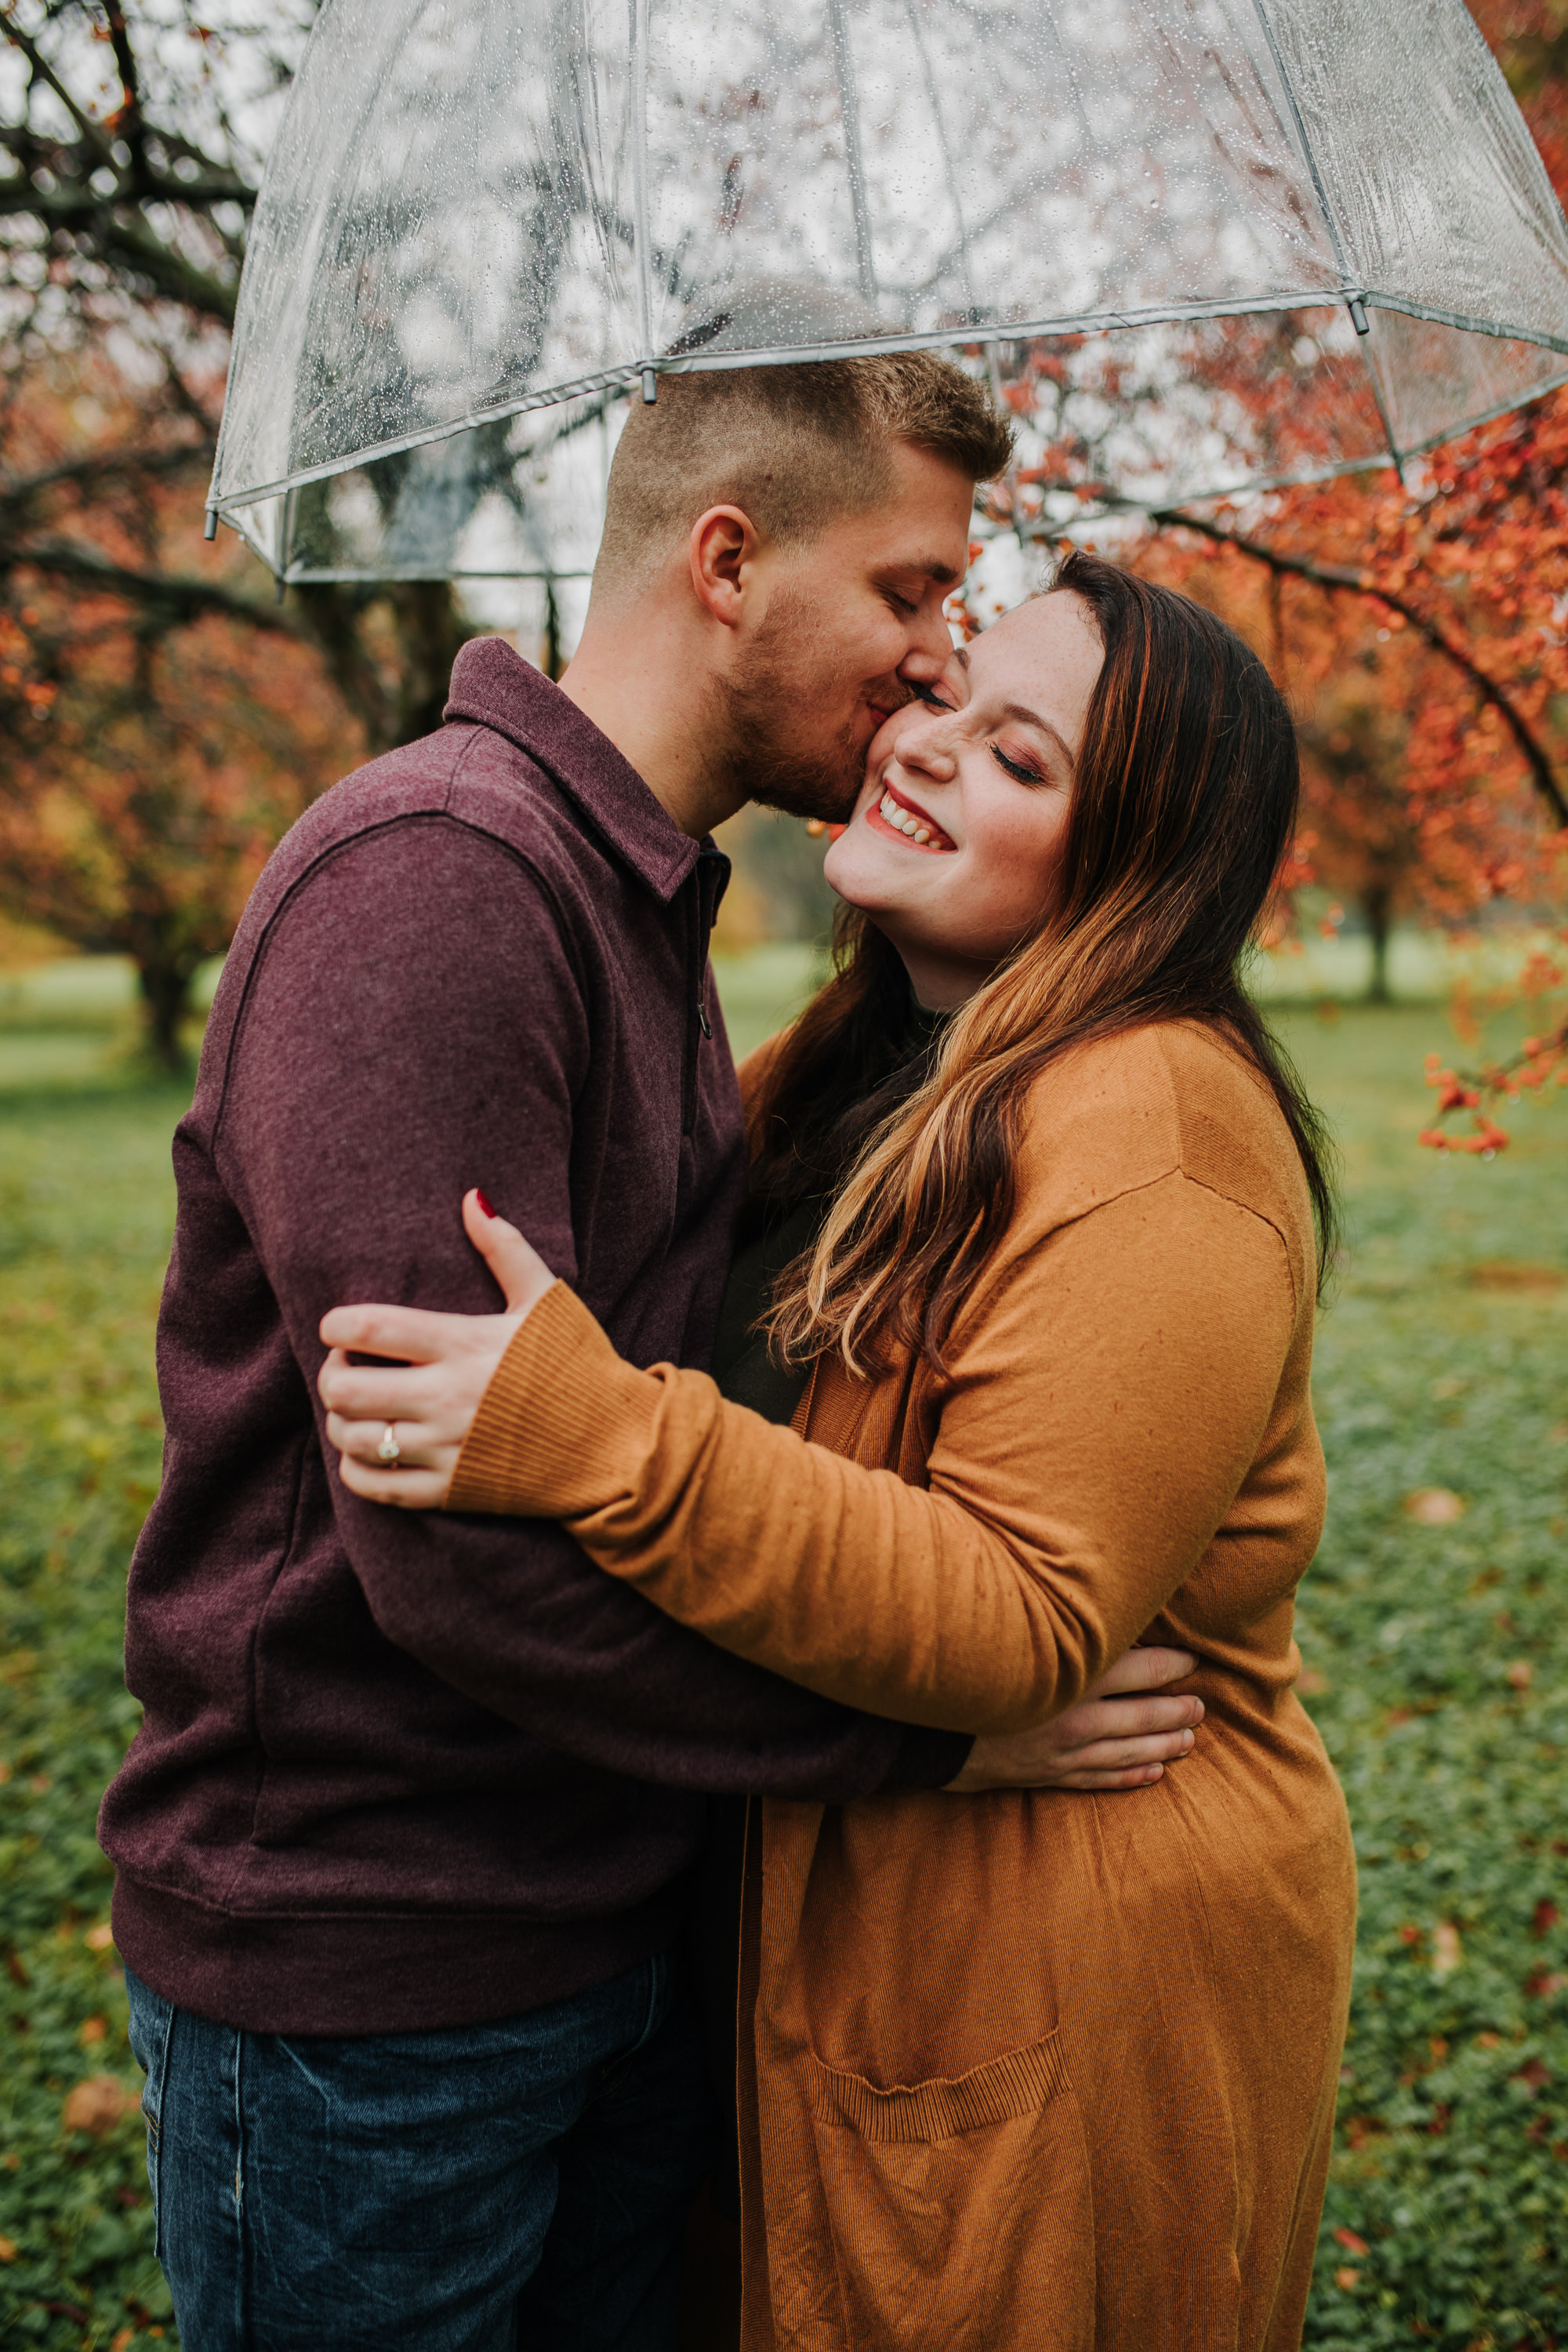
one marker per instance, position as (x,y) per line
(397,1771)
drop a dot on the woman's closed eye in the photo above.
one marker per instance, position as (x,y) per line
(1015,768)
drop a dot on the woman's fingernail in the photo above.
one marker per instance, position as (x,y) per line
(483,1203)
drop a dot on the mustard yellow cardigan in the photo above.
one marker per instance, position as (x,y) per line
(1030,2070)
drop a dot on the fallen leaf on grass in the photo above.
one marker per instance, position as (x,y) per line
(1435,1507)
(97,2104)
(7,2250)
(117,2342)
(1514,1274)
(1521,1674)
(1350,2243)
(1447,1952)
(100,1938)
(92,2029)
(1346,2278)
(1310,1683)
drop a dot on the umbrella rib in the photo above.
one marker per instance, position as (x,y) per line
(639,191)
(849,115)
(948,167)
(1357,311)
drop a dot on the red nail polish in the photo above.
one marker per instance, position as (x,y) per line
(483,1203)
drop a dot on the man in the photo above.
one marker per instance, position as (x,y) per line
(405,1840)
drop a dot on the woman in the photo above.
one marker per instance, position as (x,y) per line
(1027,2072)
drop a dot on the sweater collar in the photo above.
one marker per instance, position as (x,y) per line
(493,686)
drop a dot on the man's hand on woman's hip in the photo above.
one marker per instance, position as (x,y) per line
(1121,1734)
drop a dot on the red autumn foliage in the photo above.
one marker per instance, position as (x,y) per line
(1419,628)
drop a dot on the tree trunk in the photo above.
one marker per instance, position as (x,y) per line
(430,632)
(166,1000)
(1377,906)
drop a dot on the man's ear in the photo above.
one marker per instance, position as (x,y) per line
(724,548)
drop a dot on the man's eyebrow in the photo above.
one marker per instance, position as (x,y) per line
(931,568)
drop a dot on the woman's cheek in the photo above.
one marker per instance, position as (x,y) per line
(1010,881)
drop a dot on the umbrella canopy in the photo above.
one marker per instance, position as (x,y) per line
(1201,244)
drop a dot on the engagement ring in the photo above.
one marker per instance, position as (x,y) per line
(389,1451)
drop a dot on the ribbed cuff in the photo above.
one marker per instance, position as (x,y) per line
(563,1423)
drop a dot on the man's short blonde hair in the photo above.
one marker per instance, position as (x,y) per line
(793,447)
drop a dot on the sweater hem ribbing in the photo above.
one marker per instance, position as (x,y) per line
(373,1972)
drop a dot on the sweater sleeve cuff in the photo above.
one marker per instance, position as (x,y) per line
(563,1422)
(928,1759)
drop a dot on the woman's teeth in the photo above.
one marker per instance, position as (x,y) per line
(900,819)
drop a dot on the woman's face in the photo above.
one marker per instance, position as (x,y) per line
(956,839)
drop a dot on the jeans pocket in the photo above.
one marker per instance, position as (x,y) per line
(152,2029)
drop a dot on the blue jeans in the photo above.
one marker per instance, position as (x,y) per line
(511,2188)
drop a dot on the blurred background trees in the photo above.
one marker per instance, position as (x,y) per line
(166,716)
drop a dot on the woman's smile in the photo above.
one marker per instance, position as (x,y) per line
(905,820)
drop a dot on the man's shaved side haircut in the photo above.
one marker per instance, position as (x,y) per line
(794,447)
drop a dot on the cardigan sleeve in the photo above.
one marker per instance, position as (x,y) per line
(1099,1413)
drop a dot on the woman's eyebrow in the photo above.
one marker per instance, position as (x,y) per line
(1028,718)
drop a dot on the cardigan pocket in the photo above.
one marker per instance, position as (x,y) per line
(960,2209)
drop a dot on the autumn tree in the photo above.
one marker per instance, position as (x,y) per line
(134,133)
(185,716)
(155,753)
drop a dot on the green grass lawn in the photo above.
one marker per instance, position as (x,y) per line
(1438,1662)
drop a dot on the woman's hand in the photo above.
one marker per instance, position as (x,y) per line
(425,1404)
(1117,1737)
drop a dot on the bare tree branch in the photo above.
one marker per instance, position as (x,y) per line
(92,130)
(102,466)
(130,125)
(182,599)
(1341,581)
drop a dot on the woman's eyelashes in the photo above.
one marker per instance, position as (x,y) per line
(1014,768)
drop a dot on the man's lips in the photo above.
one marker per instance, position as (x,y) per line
(903,819)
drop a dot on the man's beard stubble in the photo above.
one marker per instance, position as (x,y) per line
(754,713)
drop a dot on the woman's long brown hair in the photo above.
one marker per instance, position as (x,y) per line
(1183,803)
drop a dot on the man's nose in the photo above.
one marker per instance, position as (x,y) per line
(927,657)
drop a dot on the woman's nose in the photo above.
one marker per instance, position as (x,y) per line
(924,747)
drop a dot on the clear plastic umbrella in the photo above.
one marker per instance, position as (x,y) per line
(1201,244)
